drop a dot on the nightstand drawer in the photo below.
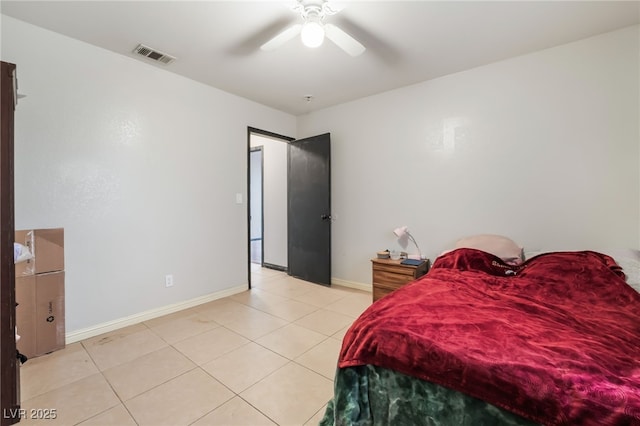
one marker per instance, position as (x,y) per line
(385,277)
(379,292)
(394,269)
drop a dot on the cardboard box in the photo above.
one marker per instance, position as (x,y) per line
(28,267)
(26,315)
(40,314)
(50,312)
(47,247)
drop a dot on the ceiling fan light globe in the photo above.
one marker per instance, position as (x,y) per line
(312,34)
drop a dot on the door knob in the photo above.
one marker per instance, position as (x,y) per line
(325,217)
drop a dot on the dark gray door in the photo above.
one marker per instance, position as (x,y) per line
(309,209)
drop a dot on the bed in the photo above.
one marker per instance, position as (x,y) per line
(478,341)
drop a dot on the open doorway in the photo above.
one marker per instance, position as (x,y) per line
(289,205)
(267,204)
(256,176)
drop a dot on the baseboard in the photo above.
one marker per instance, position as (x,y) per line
(351,284)
(85,333)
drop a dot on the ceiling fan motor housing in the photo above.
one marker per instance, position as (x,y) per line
(315,10)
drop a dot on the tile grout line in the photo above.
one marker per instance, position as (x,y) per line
(289,361)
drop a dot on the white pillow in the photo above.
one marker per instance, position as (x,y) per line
(502,247)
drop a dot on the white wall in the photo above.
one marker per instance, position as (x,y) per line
(141,168)
(275,199)
(543,148)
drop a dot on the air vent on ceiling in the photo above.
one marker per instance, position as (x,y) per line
(156,55)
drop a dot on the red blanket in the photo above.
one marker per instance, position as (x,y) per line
(555,340)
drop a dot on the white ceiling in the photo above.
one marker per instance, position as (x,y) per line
(217,42)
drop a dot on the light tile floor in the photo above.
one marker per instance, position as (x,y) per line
(261,357)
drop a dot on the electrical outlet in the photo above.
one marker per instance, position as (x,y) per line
(168,280)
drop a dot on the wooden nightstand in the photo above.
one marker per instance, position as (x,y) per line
(389,275)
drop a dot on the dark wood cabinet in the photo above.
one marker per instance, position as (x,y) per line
(9,365)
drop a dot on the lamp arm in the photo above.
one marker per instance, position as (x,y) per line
(414,242)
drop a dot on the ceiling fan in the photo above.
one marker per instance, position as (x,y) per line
(314,29)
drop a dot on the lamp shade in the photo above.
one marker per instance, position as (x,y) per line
(401,231)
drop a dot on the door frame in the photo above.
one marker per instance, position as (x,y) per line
(285,139)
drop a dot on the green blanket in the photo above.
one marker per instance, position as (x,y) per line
(370,395)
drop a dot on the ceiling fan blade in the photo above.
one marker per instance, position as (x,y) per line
(282,38)
(332,8)
(343,40)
